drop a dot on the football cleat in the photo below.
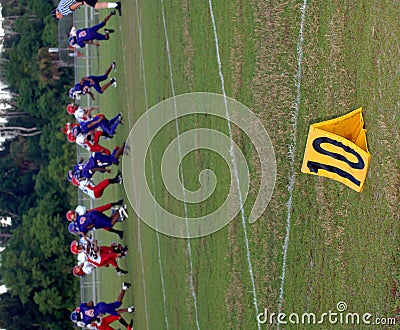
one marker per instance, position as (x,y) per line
(122,272)
(113,12)
(113,64)
(108,31)
(120,119)
(113,82)
(121,234)
(126,285)
(131,309)
(119,8)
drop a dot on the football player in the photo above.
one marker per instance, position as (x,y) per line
(81,210)
(94,219)
(66,7)
(98,162)
(99,121)
(94,191)
(80,113)
(88,313)
(89,252)
(86,36)
(82,87)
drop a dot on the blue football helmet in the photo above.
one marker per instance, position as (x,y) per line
(76,130)
(73,229)
(72,41)
(74,316)
(70,175)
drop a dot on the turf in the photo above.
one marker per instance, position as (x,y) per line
(343,245)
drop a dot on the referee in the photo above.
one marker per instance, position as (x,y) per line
(66,7)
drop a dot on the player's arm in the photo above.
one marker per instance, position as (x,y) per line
(100,169)
(91,95)
(91,226)
(76,5)
(87,79)
(91,42)
(94,122)
(87,111)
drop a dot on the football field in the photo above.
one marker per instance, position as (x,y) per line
(319,245)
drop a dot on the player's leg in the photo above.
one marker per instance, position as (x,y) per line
(99,148)
(120,233)
(111,308)
(105,20)
(125,324)
(101,220)
(114,218)
(114,122)
(103,160)
(105,5)
(96,138)
(125,286)
(99,188)
(96,82)
(109,69)
(109,259)
(120,151)
(107,320)
(112,82)
(104,249)
(104,207)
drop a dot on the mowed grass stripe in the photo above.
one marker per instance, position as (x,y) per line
(292,152)
(235,173)
(143,72)
(181,173)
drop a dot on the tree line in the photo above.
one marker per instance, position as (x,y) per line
(36,264)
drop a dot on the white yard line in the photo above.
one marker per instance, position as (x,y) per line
(139,239)
(142,64)
(292,152)
(181,170)
(234,165)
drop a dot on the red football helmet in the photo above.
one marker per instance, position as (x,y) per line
(67,128)
(71,138)
(71,109)
(74,247)
(77,271)
(75,182)
(71,215)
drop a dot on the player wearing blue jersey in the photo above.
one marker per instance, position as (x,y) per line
(88,313)
(98,162)
(98,121)
(86,36)
(82,87)
(118,207)
(95,220)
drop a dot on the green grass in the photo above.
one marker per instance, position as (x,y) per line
(343,245)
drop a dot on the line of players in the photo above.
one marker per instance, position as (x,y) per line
(87,132)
